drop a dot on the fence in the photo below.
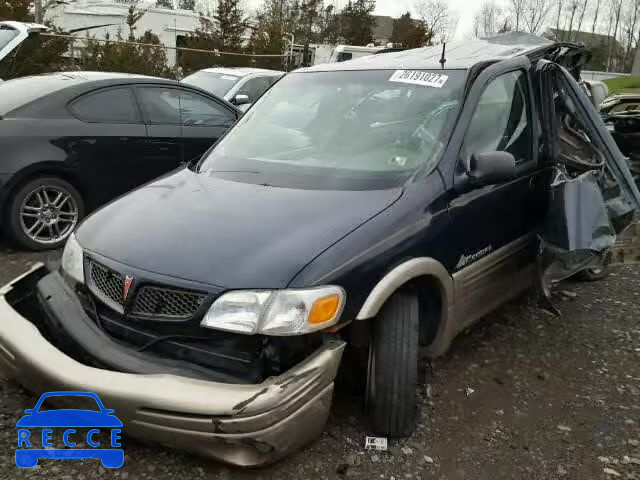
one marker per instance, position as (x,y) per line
(50,52)
(600,76)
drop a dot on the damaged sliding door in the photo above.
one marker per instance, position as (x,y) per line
(593,197)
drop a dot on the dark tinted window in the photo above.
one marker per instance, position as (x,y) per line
(173,106)
(501,121)
(255,87)
(344,56)
(115,105)
(80,402)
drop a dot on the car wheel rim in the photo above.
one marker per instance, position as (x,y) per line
(48,214)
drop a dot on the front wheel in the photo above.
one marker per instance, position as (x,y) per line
(393,367)
(43,212)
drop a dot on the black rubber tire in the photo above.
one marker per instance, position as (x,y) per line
(593,274)
(393,367)
(13,226)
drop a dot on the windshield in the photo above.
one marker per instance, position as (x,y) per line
(217,83)
(79,402)
(7,34)
(342,130)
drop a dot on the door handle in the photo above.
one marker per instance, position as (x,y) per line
(533,183)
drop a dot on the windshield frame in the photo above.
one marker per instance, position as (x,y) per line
(424,168)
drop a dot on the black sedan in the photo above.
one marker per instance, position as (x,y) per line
(73,141)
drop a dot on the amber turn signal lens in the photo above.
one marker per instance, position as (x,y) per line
(324,309)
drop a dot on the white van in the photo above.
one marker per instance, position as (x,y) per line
(342,53)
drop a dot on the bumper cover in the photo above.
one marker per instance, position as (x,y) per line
(245,425)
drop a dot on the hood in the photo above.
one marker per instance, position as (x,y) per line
(225,233)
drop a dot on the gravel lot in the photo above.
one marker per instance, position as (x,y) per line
(523,395)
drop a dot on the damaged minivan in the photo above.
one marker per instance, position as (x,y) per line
(374,208)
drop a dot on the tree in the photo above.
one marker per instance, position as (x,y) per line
(560,4)
(357,22)
(309,22)
(205,38)
(187,4)
(438,21)
(37,54)
(583,9)
(164,4)
(516,11)
(401,28)
(329,25)
(17,10)
(408,32)
(614,21)
(490,19)
(535,14)
(231,24)
(121,56)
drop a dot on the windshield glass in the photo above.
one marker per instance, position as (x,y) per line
(79,402)
(342,130)
(6,35)
(217,83)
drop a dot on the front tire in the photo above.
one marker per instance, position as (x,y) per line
(393,367)
(43,212)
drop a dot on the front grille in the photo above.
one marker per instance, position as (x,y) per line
(167,303)
(109,283)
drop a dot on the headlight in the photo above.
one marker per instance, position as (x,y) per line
(72,263)
(276,312)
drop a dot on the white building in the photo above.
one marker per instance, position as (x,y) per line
(111,15)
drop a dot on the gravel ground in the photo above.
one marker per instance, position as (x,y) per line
(523,395)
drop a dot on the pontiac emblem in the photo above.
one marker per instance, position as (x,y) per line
(128,280)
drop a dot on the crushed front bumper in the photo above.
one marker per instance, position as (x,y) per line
(245,425)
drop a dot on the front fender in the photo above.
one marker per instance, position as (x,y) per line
(400,275)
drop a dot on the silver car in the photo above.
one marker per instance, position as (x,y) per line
(240,86)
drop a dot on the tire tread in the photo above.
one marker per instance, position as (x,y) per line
(395,343)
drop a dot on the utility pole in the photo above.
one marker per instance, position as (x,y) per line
(635,69)
(37,7)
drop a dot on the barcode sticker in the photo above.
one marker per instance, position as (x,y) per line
(375,443)
(417,77)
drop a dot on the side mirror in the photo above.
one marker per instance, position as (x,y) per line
(28,411)
(240,99)
(491,168)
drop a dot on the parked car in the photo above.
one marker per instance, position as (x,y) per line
(240,86)
(73,141)
(13,34)
(386,203)
(620,103)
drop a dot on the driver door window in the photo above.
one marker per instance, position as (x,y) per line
(254,88)
(501,121)
(171,106)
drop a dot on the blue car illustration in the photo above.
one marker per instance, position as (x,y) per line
(70,418)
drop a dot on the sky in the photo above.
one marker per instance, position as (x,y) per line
(465,9)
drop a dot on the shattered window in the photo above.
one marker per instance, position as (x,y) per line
(501,121)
